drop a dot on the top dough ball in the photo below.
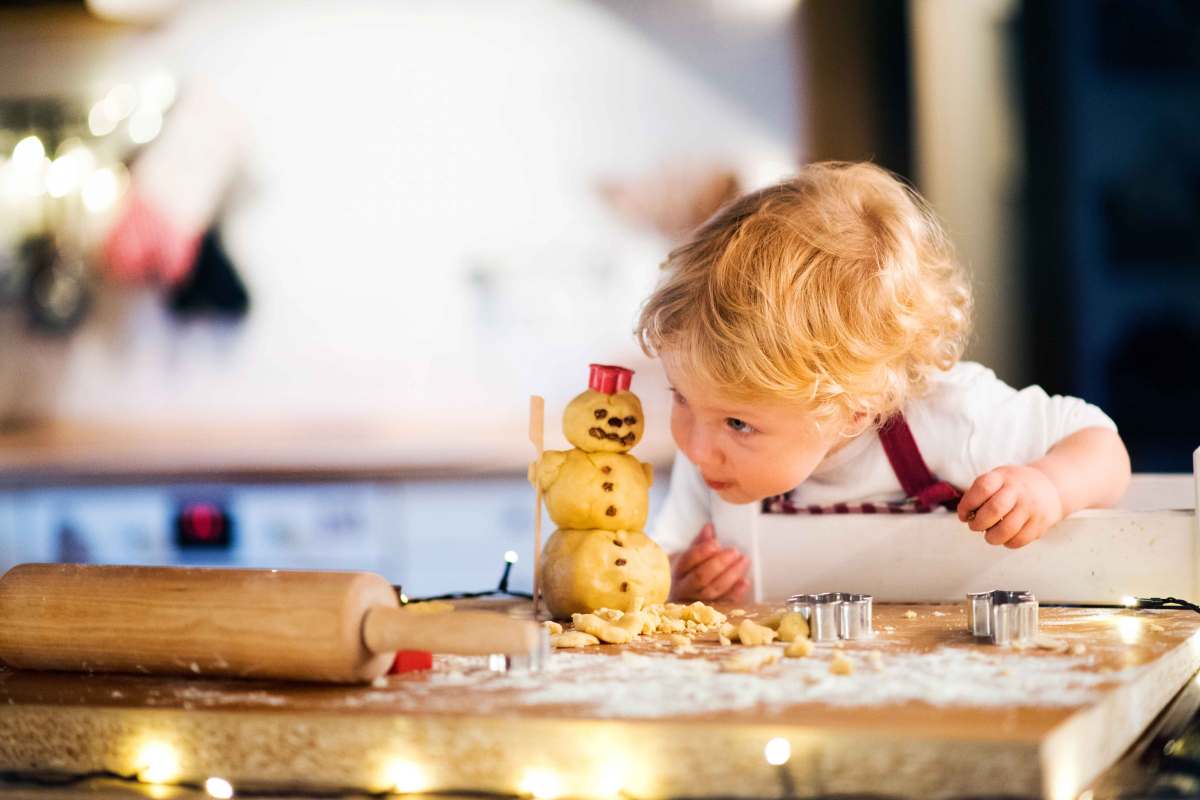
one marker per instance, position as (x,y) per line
(604,423)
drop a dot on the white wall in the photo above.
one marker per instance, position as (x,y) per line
(395,150)
(969,160)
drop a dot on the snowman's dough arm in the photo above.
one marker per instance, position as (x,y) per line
(544,471)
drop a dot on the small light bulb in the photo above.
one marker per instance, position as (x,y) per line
(777,751)
(145,125)
(99,123)
(403,599)
(219,788)
(120,101)
(1129,601)
(405,776)
(511,556)
(101,190)
(157,763)
(28,154)
(541,784)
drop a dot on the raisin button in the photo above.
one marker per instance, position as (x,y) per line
(611,511)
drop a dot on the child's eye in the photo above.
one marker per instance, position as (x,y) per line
(738,426)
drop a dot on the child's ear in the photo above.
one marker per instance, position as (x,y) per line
(857,424)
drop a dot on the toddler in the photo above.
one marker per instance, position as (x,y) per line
(812,333)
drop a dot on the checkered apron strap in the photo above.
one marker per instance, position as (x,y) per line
(924,491)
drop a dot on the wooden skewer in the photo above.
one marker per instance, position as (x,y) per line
(537,417)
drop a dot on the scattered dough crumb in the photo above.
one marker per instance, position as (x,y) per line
(751,659)
(792,626)
(772,620)
(1044,642)
(910,614)
(890,628)
(573,639)
(552,626)
(939,613)
(840,665)
(738,612)
(682,644)
(752,634)
(602,629)
(799,648)
(380,682)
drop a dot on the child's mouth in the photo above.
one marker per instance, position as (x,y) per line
(717,486)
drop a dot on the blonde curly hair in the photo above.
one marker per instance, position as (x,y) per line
(837,288)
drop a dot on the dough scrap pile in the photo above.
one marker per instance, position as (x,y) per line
(598,495)
(614,626)
(681,626)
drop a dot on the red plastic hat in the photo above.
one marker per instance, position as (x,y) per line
(609,379)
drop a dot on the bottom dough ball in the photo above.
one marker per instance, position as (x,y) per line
(586,570)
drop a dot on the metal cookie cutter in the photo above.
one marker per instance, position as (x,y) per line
(1003,617)
(834,615)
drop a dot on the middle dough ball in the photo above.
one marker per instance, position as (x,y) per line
(594,490)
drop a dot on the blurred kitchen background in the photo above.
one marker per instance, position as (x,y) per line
(277,277)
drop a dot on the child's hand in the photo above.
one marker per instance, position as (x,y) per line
(1015,505)
(706,571)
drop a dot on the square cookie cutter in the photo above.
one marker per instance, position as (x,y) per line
(835,615)
(1003,617)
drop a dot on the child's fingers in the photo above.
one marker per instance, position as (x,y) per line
(997,507)
(984,487)
(723,583)
(707,534)
(737,593)
(1030,532)
(695,555)
(706,572)
(1008,527)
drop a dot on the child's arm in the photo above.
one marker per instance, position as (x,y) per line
(1017,504)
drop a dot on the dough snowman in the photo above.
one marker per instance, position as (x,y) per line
(598,495)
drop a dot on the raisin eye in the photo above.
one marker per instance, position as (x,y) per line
(615,422)
(600,413)
(631,420)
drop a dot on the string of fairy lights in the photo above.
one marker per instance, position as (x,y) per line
(501,590)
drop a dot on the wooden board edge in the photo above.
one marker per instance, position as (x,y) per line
(326,750)
(1079,749)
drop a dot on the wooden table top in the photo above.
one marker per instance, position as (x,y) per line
(921,683)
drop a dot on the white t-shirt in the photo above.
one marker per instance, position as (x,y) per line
(968,422)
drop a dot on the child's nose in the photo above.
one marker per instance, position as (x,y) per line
(701,450)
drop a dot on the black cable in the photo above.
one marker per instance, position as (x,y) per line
(501,590)
(1166,602)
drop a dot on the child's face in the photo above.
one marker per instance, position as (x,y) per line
(746,450)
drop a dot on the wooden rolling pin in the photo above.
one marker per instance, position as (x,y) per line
(339,627)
